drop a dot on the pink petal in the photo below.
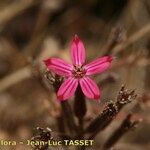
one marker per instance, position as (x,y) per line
(67,89)
(99,65)
(59,66)
(89,88)
(77,51)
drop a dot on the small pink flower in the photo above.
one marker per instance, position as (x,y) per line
(78,72)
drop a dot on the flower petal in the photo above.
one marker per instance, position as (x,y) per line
(67,89)
(59,66)
(77,51)
(99,65)
(89,88)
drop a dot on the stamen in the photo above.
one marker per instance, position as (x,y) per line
(78,71)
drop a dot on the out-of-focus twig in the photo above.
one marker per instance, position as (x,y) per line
(32,49)
(15,77)
(14,9)
(116,36)
(131,60)
(21,74)
(134,38)
(111,78)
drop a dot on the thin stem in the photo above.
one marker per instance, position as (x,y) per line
(132,39)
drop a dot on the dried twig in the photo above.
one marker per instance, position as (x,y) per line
(111,78)
(14,9)
(99,123)
(42,135)
(110,111)
(67,112)
(32,49)
(116,36)
(133,38)
(15,78)
(21,74)
(126,125)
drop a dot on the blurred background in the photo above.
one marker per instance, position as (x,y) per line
(33,30)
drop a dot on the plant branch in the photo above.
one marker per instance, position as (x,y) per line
(12,10)
(126,125)
(132,39)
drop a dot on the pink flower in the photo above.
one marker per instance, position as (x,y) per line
(78,72)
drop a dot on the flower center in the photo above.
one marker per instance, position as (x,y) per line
(78,71)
